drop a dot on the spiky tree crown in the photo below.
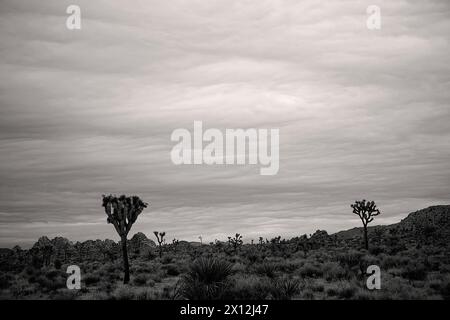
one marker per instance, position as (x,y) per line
(123,211)
(160,236)
(366,210)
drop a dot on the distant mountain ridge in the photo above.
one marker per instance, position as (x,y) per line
(434,219)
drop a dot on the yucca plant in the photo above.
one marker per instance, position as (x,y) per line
(285,288)
(268,269)
(206,279)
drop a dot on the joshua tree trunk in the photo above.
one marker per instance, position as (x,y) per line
(126,266)
(366,240)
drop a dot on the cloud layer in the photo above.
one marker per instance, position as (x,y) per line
(361,113)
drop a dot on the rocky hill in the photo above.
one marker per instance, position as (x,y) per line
(46,251)
(433,221)
(429,225)
(139,243)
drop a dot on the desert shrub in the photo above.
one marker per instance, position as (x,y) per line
(57,264)
(346,291)
(105,286)
(308,270)
(206,279)
(342,290)
(123,292)
(65,294)
(30,271)
(289,266)
(157,276)
(145,268)
(22,288)
(253,257)
(149,254)
(307,294)
(440,285)
(414,271)
(168,258)
(238,267)
(140,279)
(96,266)
(112,277)
(172,291)
(350,259)
(268,269)
(52,274)
(249,287)
(110,268)
(51,284)
(96,295)
(399,247)
(171,269)
(364,294)
(396,272)
(285,288)
(332,291)
(126,292)
(91,279)
(376,250)
(400,289)
(444,290)
(433,262)
(333,271)
(444,268)
(5,280)
(314,285)
(388,261)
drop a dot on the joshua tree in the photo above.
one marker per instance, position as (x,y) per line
(175,243)
(366,210)
(261,241)
(122,212)
(236,241)
(161,240)
(276,240)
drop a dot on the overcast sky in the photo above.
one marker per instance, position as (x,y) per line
(361,113)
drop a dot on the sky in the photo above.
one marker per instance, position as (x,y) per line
(361,114)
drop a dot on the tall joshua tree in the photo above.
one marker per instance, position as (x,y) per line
(366,210)
(122,212)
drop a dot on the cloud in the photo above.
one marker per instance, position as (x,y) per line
(361,113)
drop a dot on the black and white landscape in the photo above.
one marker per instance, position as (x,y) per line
(224,149)
(413,256)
